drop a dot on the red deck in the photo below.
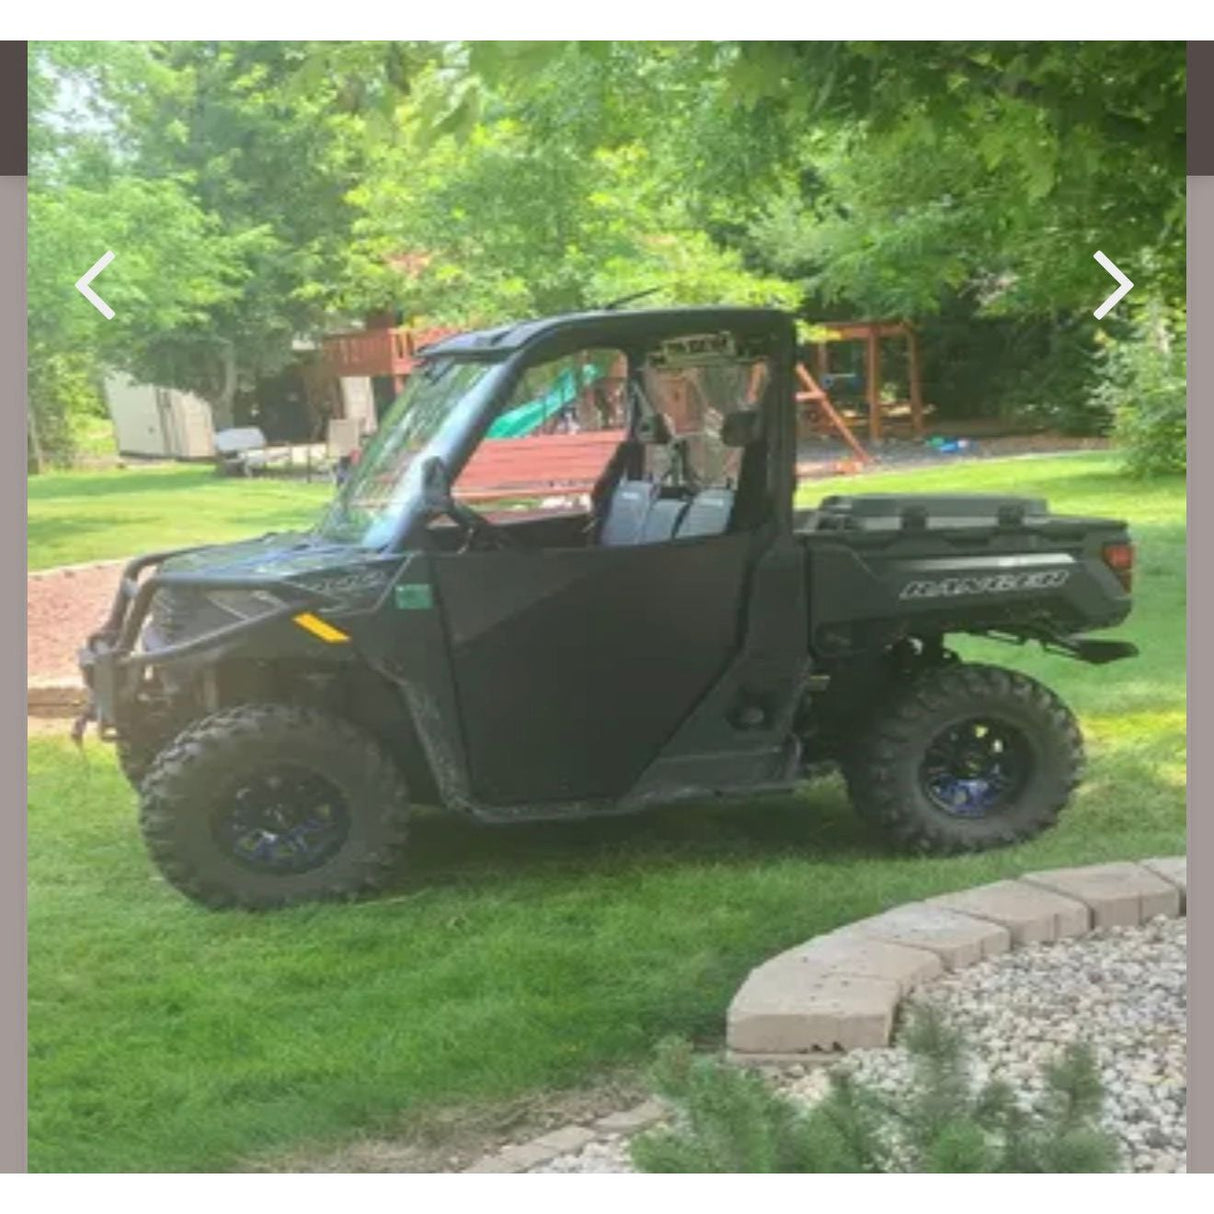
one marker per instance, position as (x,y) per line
(545,464)
(377,352)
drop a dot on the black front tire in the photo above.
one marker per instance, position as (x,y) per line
(135,756)
(885,768)
(199,792)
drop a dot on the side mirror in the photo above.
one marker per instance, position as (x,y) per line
(742,427)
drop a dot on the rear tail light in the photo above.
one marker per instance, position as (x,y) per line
(1119,558)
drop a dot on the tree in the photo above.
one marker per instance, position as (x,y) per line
(262,192)
(993,168)
(173,264)
(541,188)
(219,175)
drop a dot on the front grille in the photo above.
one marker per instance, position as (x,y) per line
(171,612)
(180,613)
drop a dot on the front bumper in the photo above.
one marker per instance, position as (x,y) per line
(111,664)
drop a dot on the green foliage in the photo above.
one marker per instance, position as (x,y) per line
(730,1120)
(219,174)
(173,267)
(67,396)
(553,190)
(1142,383)
(993,169)
(733,1121)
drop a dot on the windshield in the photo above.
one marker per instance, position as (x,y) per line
(369,504)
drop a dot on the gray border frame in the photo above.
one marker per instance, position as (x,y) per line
(1200,584)
(13,1025)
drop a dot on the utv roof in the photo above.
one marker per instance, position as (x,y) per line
(632,323)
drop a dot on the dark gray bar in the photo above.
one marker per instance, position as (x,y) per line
(1200,119)
(14,130)
(1200,689)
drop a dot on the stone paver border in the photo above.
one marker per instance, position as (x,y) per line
(55,697)
(840,991)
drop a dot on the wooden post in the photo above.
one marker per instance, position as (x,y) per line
(821,398)
(874,385)
(916,390)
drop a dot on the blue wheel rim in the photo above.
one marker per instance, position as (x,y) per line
(282,821)
(975,768)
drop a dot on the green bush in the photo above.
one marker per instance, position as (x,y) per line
(63,399)
(1142,383)
(728,1119)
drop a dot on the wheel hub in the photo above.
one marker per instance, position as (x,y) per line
(975,768)
(282,820)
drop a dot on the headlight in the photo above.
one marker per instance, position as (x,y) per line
(245,604)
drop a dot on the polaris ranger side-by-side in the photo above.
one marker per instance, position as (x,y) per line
(572,638)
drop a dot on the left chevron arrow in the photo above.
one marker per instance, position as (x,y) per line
(82,285)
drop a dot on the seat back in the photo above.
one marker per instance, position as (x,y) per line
(708,513)
(626,513)
(663,520)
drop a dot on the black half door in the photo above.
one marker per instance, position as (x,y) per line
(573,667)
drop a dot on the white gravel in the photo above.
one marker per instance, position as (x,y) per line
(1120,989)
(606,1155)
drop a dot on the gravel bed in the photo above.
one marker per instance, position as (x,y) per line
(61,608)
(1120,989)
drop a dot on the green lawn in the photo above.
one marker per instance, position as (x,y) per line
(512,959)
(121,512)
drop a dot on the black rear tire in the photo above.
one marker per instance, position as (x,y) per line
(265,805)
(966,758)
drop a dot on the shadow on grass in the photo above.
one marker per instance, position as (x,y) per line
(70,486)
(451,848)
(173,480)
(1127,796)
(48,533)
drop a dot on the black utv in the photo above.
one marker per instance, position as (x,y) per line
(567,577)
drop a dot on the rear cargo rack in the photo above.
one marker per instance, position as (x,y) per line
(919,512)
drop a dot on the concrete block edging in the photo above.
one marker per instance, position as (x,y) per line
(840,991)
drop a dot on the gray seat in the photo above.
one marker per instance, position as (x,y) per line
(709,513)
(638,514)
(663,520)
(626,513)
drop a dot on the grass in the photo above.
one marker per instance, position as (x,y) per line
(120,512)
(509,960)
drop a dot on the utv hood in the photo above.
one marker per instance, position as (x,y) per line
(346,576)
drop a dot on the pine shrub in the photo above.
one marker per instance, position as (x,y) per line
(730,1119)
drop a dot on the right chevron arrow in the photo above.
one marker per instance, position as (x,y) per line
(1124,286)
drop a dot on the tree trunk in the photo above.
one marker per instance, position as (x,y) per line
(222,405)
(35,443)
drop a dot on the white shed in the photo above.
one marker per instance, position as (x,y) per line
(155,421)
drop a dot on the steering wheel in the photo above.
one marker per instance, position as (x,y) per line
(477,526)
